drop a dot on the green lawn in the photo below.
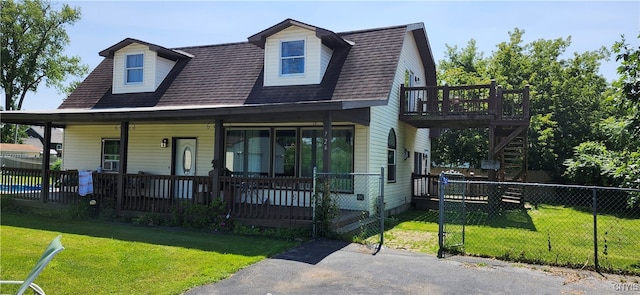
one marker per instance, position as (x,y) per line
(115,258)
(548,234)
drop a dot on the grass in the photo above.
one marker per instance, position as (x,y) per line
(552,235)
(115,258)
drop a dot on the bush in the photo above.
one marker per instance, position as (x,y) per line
(204,217)
(57,165)
(83,208)
(326,210)
(11,205)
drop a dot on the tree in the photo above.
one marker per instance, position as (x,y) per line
(566,94)
(629,83)
(613,156)
(33,40)
(459,147)
(567,97)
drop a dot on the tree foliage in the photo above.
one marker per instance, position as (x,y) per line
(613,156)
(458,147)
(566,96)
(33,38)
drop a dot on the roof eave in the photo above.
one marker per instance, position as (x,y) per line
(329,38)
(162,51)
(424,48)
(62,117)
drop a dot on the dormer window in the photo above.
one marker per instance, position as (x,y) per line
(292,57)
(134,68)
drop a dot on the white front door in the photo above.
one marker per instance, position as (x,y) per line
(185,165)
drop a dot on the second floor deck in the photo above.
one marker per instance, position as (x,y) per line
(463,106)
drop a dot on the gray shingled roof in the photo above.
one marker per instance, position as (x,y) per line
(232,74)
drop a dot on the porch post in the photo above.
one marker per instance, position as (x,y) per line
(122,169)
(46,157)
(326,140)
(218,155)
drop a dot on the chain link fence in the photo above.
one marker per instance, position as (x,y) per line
(350,206)
(578,226)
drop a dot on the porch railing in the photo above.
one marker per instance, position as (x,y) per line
(246,197)
(268,197)
(469,100)
(427,186)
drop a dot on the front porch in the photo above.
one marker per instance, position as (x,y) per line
(273,201)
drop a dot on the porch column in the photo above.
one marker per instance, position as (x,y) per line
(46,157)
(326,140)
(218,155)
(122,169)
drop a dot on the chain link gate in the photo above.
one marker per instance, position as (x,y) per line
(349,206)
(451,213)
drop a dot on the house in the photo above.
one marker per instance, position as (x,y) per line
(19,155)
(294,97)
(36,138)
(19,150)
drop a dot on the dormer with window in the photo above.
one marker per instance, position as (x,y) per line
(296,53)
(139,66)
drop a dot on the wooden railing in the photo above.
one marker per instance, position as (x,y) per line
(269,197)
(155,193)
(428,186)
(471,100)
(246,197)
(26,184)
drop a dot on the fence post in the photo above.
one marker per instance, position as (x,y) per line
(381,208)
(314,195)
(441,216)
(595,231)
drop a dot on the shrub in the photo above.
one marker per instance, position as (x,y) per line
(11,205)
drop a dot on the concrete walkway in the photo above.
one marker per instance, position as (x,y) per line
(335,267)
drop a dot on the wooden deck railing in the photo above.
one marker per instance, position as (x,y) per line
(269,197)
(246,197)
(470,100)
(428,186)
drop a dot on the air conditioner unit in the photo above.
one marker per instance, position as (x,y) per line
(110,165)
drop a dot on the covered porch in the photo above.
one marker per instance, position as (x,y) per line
(268,199)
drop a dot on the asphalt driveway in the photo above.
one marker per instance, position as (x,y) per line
(336,267)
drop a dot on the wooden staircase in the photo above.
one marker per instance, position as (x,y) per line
(513,168)
(504,111)
(513,160)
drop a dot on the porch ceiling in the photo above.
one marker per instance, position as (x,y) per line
(350,111)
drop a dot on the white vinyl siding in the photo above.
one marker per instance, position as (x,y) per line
(155,69)
(83,145)
(384,118)
(163,67)
(325,57)
(313,58)
(145,154)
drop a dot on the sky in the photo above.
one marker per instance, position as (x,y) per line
(590,24)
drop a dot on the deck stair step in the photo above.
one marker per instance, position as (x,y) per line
(512,195)
(513,159)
